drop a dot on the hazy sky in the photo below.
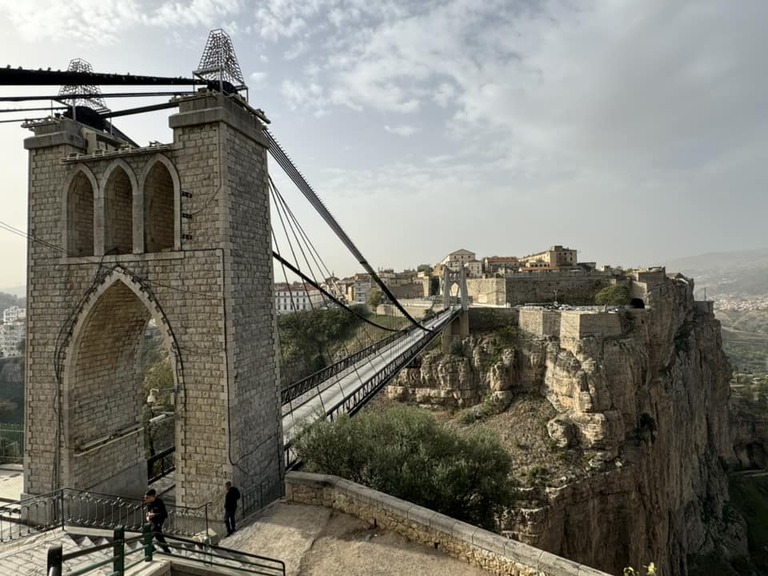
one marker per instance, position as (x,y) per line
(632,131)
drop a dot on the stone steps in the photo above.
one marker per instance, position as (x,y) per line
(28,556)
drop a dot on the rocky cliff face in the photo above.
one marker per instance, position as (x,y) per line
(647,409)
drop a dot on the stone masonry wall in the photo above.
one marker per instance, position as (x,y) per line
(577,288)
(489,551)
(540,322)
(576,324)
(211,300)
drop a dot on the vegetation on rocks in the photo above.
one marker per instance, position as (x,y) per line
(404,451)
(313,339)
(614,295)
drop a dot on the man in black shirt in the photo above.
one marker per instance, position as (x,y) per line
(156,516)
(230,507)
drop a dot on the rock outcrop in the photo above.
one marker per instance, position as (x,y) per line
(647,408)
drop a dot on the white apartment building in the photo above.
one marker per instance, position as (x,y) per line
(11,334)
(297,297)
(13,313)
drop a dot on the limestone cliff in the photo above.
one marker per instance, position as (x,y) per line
(647,410)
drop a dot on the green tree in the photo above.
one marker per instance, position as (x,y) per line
(374,299)
(613,295)
(406,453)
(426,268)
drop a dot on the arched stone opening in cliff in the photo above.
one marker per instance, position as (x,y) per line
(159,213)
(80,216)
(104,397)
(118,213)
(637,303)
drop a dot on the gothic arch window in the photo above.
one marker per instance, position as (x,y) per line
(118,211)
(159,209)
(79,216)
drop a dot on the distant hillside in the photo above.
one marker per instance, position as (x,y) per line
(8,300)
(733,273)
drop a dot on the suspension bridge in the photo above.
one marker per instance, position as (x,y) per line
(145,234)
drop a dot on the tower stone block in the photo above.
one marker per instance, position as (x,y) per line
(178,234)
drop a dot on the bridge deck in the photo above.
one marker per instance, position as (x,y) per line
(330,396)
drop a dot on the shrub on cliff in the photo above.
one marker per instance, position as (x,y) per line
(613,295)
(406,453)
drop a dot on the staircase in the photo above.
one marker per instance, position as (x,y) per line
(93,552)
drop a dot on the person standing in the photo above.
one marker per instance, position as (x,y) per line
(230,507)
(156,516)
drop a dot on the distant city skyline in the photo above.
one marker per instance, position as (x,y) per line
(632,132)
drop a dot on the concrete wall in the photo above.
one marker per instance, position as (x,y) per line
(489,551)
(210,295)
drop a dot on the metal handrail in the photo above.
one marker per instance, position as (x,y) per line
(356,400)
(82,508)
(211,555)
(161,457)
(293,391)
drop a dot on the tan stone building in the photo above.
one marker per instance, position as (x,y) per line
(555,258)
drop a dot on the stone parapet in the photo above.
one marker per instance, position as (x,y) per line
(489,551)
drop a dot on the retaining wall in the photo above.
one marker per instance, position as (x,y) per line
(489,551)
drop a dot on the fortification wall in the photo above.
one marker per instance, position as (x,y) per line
(577,288)
(577,324)
(574,324)
(490,319)
(489,551)
(487,291)
(540,321)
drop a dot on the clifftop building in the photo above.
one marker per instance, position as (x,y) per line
(553,259)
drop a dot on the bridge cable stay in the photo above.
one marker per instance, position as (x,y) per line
(326,293)
(301,238)
(304,187)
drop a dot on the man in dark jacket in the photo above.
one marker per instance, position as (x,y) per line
(230,507)
(156,516)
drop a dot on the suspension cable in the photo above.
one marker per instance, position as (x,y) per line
(301,183)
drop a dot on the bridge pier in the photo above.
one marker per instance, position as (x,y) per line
(175,234)
(456,330)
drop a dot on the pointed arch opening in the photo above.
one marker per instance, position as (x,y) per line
(105,396)
(159,211)
(79,216)
(118,213)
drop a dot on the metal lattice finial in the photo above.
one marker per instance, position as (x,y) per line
(69,92)
(219,63)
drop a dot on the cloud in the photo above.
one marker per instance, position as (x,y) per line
(258,77)
(105,22)
(403,130)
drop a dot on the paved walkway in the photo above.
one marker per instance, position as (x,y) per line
(11,481)
(312,541)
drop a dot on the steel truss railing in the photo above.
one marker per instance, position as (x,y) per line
(293,391)
(351,403)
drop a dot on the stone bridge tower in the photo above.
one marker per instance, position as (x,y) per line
(459,328)
(176,233)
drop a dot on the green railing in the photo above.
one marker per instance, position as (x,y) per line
(123,553)
(11,443)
